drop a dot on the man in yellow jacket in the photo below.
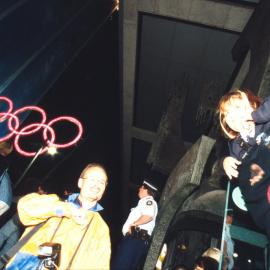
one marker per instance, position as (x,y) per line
(76,225)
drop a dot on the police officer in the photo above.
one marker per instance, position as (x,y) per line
(137,230)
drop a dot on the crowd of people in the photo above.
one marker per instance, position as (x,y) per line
(71,233)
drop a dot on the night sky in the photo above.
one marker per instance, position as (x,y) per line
(89,91)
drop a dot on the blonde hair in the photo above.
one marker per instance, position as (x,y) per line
(228,99)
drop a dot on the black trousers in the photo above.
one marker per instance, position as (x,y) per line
(130,254)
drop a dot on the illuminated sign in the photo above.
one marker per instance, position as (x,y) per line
(13,124)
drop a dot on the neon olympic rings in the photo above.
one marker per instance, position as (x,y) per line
(23,109)
(8,136)
(10,104)
(13,124)
(72,120)
(44,149)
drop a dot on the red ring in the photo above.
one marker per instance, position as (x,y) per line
(70,119)
(9,102)
(23,109)
(17,124)
(32,128)
(22,132)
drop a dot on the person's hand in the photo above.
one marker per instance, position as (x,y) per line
(78,215)
(257,174)
(230,165)
(131,227)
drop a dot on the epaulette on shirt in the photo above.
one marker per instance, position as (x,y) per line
(149,202)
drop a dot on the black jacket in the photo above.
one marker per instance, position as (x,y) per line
(249,153)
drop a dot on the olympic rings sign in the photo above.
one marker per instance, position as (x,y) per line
(48,134)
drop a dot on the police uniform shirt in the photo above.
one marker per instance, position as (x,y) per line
(146,206)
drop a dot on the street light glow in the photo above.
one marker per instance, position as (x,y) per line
(52,150)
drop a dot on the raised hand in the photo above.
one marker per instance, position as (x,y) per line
(230,165)
(257,174)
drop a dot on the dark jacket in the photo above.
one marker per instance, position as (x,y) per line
(249,153)
(261,117)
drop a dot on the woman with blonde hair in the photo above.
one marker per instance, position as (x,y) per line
(245,121)
(237,115)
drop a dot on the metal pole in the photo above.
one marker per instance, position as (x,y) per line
(224,224)
(28,167)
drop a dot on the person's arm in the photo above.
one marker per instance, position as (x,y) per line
(34,208)
(147,213)
(262,114)
(231,162)
(142,220)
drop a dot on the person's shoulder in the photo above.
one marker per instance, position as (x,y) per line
(149,201)
(35,195)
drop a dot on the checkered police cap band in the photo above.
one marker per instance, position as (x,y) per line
(149,185)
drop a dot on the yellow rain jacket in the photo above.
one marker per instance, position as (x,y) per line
(95,249)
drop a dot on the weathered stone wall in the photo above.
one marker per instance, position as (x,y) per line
(255,38)
(184,179)
(211,13)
